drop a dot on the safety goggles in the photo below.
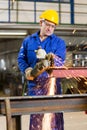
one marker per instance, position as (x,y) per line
(53,26)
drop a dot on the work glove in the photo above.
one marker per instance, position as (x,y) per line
(28,72)
(40,67)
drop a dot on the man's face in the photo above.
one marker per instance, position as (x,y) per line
(47,27)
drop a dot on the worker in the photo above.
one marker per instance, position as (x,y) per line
(40,51)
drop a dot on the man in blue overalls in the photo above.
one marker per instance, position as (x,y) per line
(31,61)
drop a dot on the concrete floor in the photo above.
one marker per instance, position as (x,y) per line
(72,121)
(75,121)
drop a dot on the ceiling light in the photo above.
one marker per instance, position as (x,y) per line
(13,32)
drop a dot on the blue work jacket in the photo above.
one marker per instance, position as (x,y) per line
(27,55)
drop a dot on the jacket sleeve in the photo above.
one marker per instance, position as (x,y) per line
(22,57)
(60,53)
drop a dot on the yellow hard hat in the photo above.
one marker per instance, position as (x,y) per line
(50,15)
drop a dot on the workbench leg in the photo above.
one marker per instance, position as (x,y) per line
(8,114)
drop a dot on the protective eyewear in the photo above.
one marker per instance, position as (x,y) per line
(49,25)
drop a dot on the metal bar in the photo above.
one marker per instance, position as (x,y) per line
(70,72)
(17,12)
(72,11)
(42,104)
(64,72)
(9,13)
(17,106)
(34,11)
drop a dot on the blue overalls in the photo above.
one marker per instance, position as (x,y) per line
(40,86)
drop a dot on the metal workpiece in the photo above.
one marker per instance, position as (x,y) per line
(41,104)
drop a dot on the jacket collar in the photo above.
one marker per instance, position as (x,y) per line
(37,34)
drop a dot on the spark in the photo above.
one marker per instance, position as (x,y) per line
(74,31)
(52,86)
(48,116)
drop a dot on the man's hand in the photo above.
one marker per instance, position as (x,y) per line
(28,72)
(40,67)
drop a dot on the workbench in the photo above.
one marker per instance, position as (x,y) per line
(14,107)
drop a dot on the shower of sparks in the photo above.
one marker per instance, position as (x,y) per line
(49,116)
(52,87)
(73,74)
(77,76)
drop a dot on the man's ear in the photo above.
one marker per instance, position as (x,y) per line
(40,22)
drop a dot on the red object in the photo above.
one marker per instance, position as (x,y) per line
(70,72)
